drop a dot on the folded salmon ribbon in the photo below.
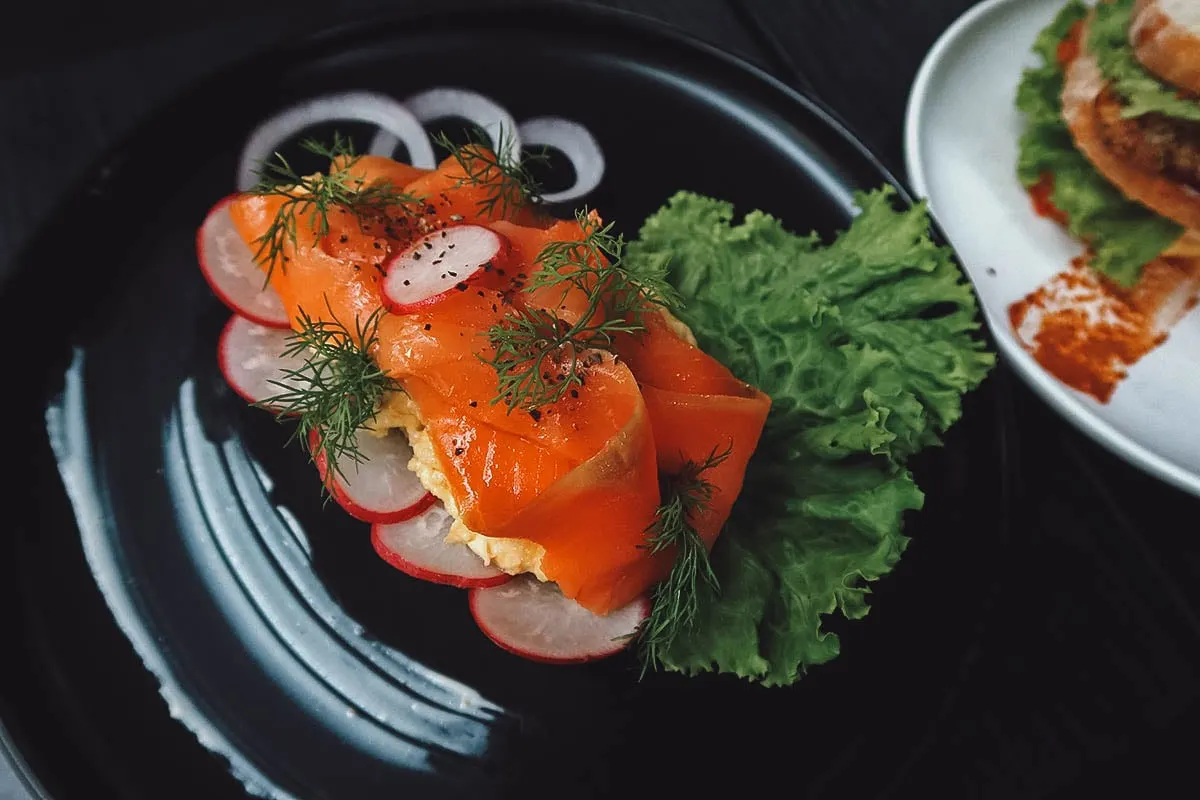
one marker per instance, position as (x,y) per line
(575,481)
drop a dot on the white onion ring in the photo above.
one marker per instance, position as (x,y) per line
(444,102)
(576,143)
(370,107)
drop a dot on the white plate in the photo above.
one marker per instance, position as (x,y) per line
(961,135)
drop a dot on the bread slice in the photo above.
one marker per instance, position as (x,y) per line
(1165,35)
(1081,93)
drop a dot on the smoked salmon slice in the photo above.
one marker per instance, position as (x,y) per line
(697,408)
(579,476)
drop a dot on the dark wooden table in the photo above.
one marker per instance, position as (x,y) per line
(1086,674)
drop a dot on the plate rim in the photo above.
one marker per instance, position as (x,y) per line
(90,180)
(1049,388)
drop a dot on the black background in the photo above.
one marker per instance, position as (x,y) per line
(1084,676)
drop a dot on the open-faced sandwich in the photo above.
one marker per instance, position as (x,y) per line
(1112,144)
(696,442)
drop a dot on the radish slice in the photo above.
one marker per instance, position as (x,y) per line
(535,620)
(381,488)
(439,264)
(228,264)
(251,358)
(418,547)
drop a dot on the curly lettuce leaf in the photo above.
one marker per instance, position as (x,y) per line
(1143,92)
(866,347)
(1123,235)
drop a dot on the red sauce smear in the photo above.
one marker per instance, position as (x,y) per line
(1041,193)
(1068,48)
(1087,331)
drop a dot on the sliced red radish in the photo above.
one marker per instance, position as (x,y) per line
(228,264)
(418,547)
(252,360)
(439,264)
(537,621)
(381,488)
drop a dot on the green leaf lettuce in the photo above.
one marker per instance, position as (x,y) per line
(1143,92)
(866,347)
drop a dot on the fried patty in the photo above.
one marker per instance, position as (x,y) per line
(1153,142)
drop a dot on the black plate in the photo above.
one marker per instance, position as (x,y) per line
(316,669)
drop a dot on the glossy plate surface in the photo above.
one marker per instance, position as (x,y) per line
(270,627)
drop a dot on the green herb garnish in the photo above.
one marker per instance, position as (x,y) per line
(503,173)
(538,357)
(317,195)
(338,390)
(675,600)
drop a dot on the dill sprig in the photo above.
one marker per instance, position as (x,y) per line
(316,195)
(594,266)
(501,171)
(337,391)
(675,600)
(539,357)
